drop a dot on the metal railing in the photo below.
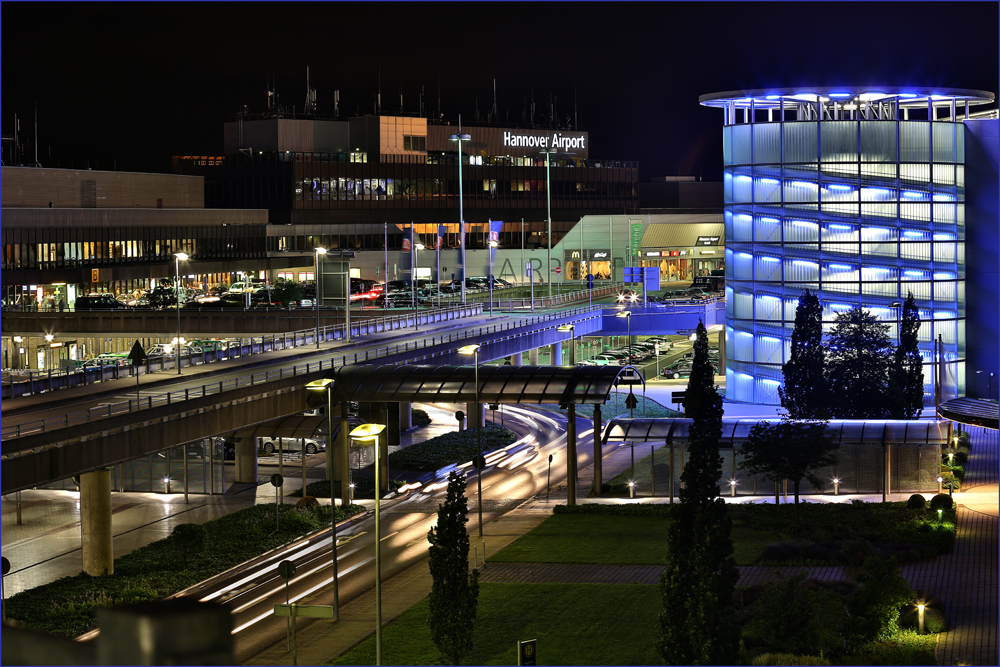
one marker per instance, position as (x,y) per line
(208,389)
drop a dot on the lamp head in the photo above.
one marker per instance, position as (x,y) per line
(367,431)
(319,385)
(469,349)
(182,256)
(460,137)
(48,338)
(623,313)
(494,244)
(320,251)
(566,328)
(419,246)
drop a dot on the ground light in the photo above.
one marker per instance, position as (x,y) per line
(570,329)
(322,251)
(326,385)
(178,258)
(467,350)
(365,432)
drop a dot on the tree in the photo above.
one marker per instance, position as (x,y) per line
(875,605)
(804,393)
(857,366)
(454,592)
(697,624)
(791,449)
(287,291)
(906,374)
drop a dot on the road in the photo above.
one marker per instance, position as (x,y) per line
(512,476)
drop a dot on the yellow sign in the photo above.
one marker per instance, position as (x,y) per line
(95,275)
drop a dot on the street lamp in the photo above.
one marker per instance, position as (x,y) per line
(326,385)
(899,322)
(547,152)
(413,287)
(461,216)
(627,314)
(322,251)
(371,432)
(48,350)
(467,350)
(178,258)
(492,247)
(570,329)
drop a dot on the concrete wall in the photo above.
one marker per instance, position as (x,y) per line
(982,255)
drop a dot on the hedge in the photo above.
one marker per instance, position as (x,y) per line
(450,448)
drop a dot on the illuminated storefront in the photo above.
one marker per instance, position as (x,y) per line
(856,194)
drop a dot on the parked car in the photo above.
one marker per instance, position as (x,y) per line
(270,445)
(608,360)
(97,301)
(682,369)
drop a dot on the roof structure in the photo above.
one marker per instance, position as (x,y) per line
(975,411)
(848,431)
(457,384)
(911,96)
(295,426)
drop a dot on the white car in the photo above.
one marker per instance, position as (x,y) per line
(270,445)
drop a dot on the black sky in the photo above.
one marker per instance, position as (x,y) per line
(139,82)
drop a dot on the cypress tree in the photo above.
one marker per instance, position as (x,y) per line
(697,624)
(907,370)
(454,592)
(804,393)
(858,357)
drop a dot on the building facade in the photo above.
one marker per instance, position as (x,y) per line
(855,194)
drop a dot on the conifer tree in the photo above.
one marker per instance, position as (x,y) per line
(455,591)
(697,624)
(858,356)
(804,393)
(907,370)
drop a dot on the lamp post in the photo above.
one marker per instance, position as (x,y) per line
(467,350)
(326,385)
(899,319)
(178,258)
(627,314)
(570,329)
(322,251)
(492,247)
(413,287)
(461,216)
(371,432)
(48,351)
(547,152)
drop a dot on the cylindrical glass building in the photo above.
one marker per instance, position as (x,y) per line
(854,193)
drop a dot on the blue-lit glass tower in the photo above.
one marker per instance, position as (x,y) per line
(854,193)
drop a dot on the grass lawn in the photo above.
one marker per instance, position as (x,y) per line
(575,624)
(615,540)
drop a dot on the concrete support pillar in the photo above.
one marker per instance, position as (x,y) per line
(555,354)
(405,416)
(476,417)
(533,357)
(95,523)
(246,461)
(343,457)
(598,462)
(383,466)
(518,359)
(571,462)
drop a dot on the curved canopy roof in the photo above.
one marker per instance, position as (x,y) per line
(916,96)
(457,384)
(976,411)
(849,431)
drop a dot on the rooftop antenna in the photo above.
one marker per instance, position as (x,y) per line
(532,106)
(378,99)
(477,108)
(310,107)
(336,104)
(36,135)
(494,114)
(421,110)
(575,126)
(440,115)
(400,98)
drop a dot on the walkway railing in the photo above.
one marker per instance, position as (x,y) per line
(210,388)
(30,382)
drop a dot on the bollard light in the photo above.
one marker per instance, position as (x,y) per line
(920,618)
(940,514)
(732,487)
(631,489)
(836,486)
(166,484)
(940,480)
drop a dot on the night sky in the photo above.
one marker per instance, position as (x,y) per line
(139,82)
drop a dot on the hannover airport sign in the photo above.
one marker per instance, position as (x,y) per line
(557,140)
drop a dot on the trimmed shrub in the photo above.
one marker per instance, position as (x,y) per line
(934,619)
(788,659)
(916,502)
(942,501)
(961,458)
(875,605)
(630,509)
(190,539)
(308,501)
(796,618)
(420,417)
(450,448)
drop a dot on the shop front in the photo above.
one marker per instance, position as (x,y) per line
(589,261)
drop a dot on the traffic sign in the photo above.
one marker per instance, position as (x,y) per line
(277,480)
(286,569)
(526,653)
(631,402)
(137,355)
(558,269)
(677,396)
